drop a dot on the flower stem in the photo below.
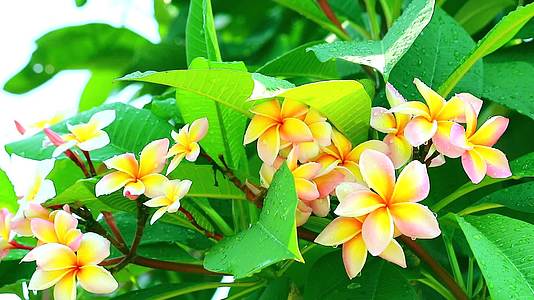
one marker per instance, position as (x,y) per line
(142,216)
(90,163)
(16,245)
(77,161)
(108,218)
(207,233)
(329,13)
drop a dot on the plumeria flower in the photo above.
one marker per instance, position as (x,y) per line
(5,232)
(39,125)
(187,143)
(273,124)
(345,158)
(172,191)
(433,120)
(322,136)
(136,178)
(87,136)
(393,125)
(478,156)
(61,228)
(348,231)
(61,267)
(21,222)
(29,178)
(388,204)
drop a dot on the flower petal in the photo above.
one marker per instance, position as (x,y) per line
(103,118)
(153,157)
(192,155)
(412,185)
(295,131)
(394,254)
(125,163)
(383,120)
(354,154)
(322,133)
(270,109)
(474,165)
(393,96)
(41,280)
(112,182)
(458,137)
(471,100)
(175,161)
(345,189)
(342,144)
(65,289)
(378,172)
(419,130)
(415,220)
(63,223)
(321,206)
(359,203)
(93,249)
(339,231)
(434,101)
(496,163)
(198,129)
(328,182)
(158,214)
(442,140)
(302,213)
(99,140)
(306,190)
(354,256)
(269,145)
(158,202)
(51,257)
(400,150)
(97,280)
(257,127)
(415,108)
(307,170)
(452,110)
(377,231)
(306,151)
(44,230)
(293,109)
(489,133)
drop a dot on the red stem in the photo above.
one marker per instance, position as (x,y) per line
(90,163)
(108,218)
(327,10)
(20,246)
(207,233)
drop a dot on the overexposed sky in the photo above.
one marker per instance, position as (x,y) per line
(24,21)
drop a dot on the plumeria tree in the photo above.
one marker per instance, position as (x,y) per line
(370,164)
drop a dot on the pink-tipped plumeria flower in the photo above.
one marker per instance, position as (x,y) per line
(87,136)
(345,158)
(322,136)
(61,228)
(388,203)
(172,191)
(39,125)
(393,125)
(433,120)
(61,267)
(136,178)
(478,156)
(348,231)
(186,145)
(5,232)
(273,125)
(21,222)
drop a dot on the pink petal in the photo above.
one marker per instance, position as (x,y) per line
(378,172)
(321,206)
(489,133)
(198,129)
(496,163)
(393,96)
(442,140)
(354,256)
(471,100)
(415,220)
(394,254)
(412,185)
(400,150)
(339,231)
(269,145)
(474,165)
(377,230)
(359,203)
(419,130)
(383,120)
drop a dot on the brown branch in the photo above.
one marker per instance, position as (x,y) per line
(172,266)
(445,277)
(329,13)
(306,234)
(90,163)
(207,233)
(108,218)
(142,216)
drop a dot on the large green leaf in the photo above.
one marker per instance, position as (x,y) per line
(311,10)
(515,89)
(302,63)
(379,280)
(434,56)
(519,197)
(272,239)
(98,88)
(8,198)
(383,55)
(201,38)
(475,14)
(503,248)
(344,102)
(497,37)
(131,131)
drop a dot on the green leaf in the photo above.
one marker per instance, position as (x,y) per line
(201,38)
(515,89)
(89,46)
(503,248)
(8,197)
(382,55)
(497,37)
(344,102)
(272,239)
(64,174)
(518,197)
(434,55)
(476,14)
(379,280)
(98,88)
(131,131)
(310,9)
(301,63)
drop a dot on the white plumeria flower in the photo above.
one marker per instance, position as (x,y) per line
(172,191)
(87,136)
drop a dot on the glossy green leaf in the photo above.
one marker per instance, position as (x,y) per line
(64,174)
(382,55)
(475,14)
(131,131)
(515,89)
(8,197)
(497,37)
(503,248)
(344,102)
(302,63)
(311,10)
(272,239)
(201,38)
(518,197)
(98,88)
(434,55)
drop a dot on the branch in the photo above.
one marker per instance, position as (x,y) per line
(207,233)
(16,245)
(329,13)
(90,163)
(108,218)
(142,216)
(172,266)
(445,277)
